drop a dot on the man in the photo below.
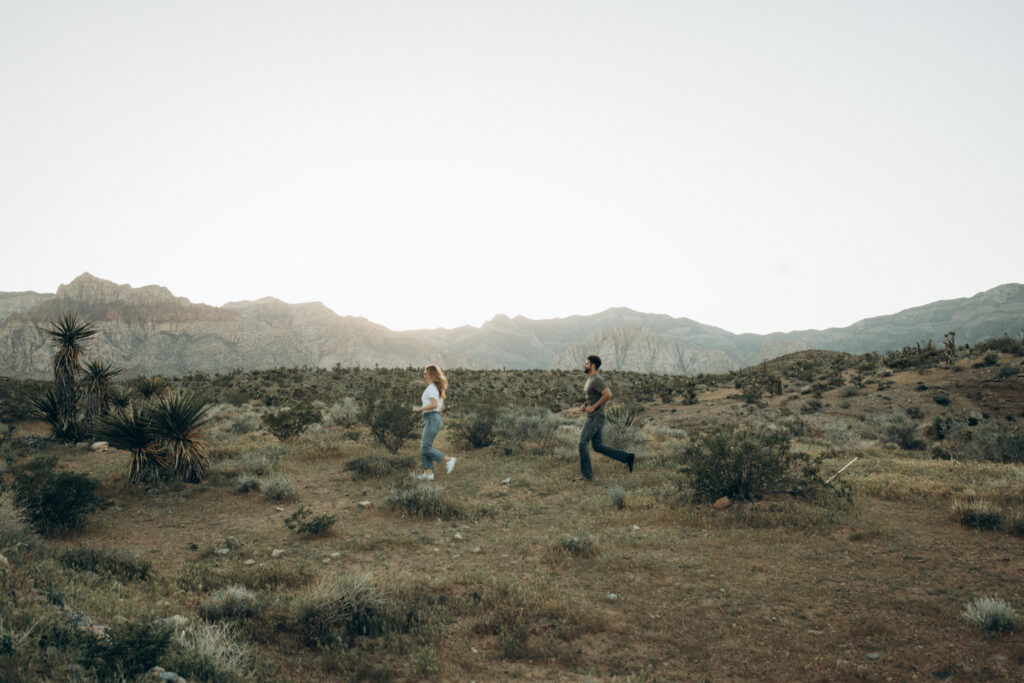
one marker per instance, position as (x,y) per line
(597,395)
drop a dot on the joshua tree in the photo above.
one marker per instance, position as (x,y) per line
(130,430)
(176,420)
(97,388)
(67,336)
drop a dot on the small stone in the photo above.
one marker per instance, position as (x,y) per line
(874,656)
(99,446)
(223,551)
(279,508)
(170,676)
(277,552)
(335,555)
(813,631)
(942,675)
(327,560)
(364,503)
(634,527)
(474,650)
(722,503)
(612,597)
(1000,658)
(476,549)
(506,480)
(458,536)
(249,563)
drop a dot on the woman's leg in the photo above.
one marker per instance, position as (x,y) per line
(431,428)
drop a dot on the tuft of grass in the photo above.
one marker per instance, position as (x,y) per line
(244,483)
(303,521)
(617,494)
(373,466)
(211,652)
(978,514)
(110,562)
(231,603)
(578,545)
(340,608)
(425,501)
(991,615)
(278,488)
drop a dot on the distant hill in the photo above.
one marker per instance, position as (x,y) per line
(148,330)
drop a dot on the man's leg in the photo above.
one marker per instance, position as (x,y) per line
(613,453)
(590,427)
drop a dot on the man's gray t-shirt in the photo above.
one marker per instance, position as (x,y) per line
(593,389)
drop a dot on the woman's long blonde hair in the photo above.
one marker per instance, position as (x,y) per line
(436,375)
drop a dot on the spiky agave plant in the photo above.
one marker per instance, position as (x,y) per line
(120,399)
(96,383)
(67,336)
(131,430)
(176,420)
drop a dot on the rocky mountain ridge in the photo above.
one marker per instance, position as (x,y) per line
(149,330)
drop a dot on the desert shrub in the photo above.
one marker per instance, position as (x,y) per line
(424,501)
(617,494)
(537,424)
(478,430)
(278,488)
(127,649)
(742,462)
(211,652)
(288,423)
(578,545)
(110,562)
(15,526)
(373,466)
(994,443)
(626,437)
(1007,372)
(812,405)
(389,418)
(245,483)
(1014,523)
(902,432)
(341,608)
(915,412)
(231,603)
(991,615)
(943,426)
(941,398)
(344,413)
(197,575)
(55,502)
(246,423)
(303,521)
(977,515)
(262,460)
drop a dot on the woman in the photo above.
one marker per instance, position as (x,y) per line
(432,403)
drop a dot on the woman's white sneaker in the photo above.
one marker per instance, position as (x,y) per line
(427,476)
(450,465)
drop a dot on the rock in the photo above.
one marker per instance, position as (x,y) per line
(612,597)
(458,536)
(279,508)
(231,542)
(223,551)
(874,656)
(722,503)
(250,562)
(335,554)
(364,503)
(99,446)
(277,552)
(476,549)
(506,480)
(633,527)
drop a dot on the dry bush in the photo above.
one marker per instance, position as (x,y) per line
(340,608)
(991,615)
(231,603)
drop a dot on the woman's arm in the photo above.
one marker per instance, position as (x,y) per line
(430,406)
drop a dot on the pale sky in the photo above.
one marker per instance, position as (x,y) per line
(757,165)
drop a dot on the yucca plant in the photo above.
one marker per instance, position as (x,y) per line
(176,420)
(96,384)
(67,336)
(119,399)
(46,407)
(130,430)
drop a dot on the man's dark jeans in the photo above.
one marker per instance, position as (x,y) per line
(591,433)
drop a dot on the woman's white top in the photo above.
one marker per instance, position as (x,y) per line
(429,393)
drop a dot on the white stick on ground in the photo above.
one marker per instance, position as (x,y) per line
(829,480)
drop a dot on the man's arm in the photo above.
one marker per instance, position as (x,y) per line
(606,396)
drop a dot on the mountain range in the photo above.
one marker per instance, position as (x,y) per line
(148,330)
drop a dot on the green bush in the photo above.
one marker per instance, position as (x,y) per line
(244,483)
(126,650)
(902,432)
(389,417)
(978,515)
(111,562)
(578,545)
(943,426)
(538,424)
(341,609)
(278,488)
(303,521)
(617,494)
(288,423)
(743,463)
(55,502)
(478,430)
(994,443)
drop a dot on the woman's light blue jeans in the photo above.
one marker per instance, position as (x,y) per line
(431,427)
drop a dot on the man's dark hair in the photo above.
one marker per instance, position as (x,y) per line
(595,361)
